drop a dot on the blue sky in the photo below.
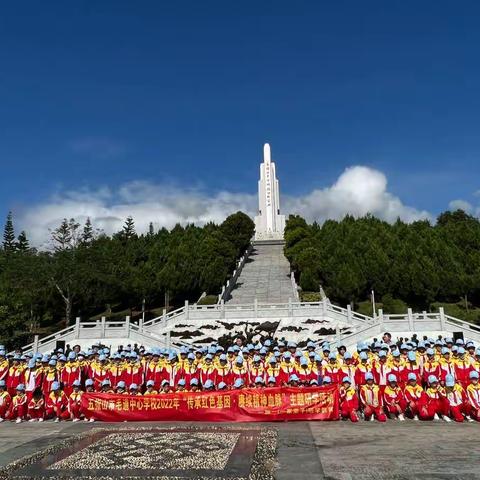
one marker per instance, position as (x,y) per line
(182,95)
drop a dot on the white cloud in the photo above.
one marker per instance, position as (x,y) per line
(359,190)
(460,205)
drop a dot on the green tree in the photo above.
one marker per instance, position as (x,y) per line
(22,244)
(9,235)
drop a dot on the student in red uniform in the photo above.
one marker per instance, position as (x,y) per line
(57,404)
(33,378)
(36,406)
(75,401)
(455,400)
(411,366)
(415,398)
(15,376)
(371,400)
(430,366)
(473,396)
(223,370)
(18,407)
(394,399)
(462,368)
(436,403)
(363,368)
(5,400)
(71,372)
(348,400)
(49,376)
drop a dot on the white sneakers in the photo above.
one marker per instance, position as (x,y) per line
(57,420)
(91,420)
(447,419)
(18,420)
(40,419)
(32,420)
(401,417)
(469,418)
(415,418)
(436,417)
(2,419)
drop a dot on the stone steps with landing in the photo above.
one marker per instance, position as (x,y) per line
(265,276)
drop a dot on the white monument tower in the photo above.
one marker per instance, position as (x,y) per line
(269,224)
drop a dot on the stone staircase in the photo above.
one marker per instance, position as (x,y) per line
(265,276)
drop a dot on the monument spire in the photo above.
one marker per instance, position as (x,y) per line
(269,224)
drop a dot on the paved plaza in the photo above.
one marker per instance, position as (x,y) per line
(267,451)
(265,276)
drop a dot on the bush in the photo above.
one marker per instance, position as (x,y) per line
(208,300)
(310,296)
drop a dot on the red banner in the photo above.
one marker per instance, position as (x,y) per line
(248,405)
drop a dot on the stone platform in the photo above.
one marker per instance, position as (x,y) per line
(296,450)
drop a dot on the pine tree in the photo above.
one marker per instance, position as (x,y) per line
(87,235)
(128,230)
(9,234)
(22,244)
(151,230)
(61,236)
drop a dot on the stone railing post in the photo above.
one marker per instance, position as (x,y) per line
(164,316)
(290,308)
(222,308)
(127,326)
(77,327)
(102,327)
(187,312)
(349,314)
(35,344)
(411,326)
(380,319)
(441,312)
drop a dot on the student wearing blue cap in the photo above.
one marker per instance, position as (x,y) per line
(462,367)
(348,400)
(411,366)
(75,401)
(431,366)
(150,390)
(371,400)
(222,369)
(56,405)
(436,405)
(455,400)
(240,371)
(70,372)
(208,371)
(257,369)
(473,395)
(18,409)
(394,399)
(363,368)
(5,400)
(447,364)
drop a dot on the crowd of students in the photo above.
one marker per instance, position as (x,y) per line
(423,380)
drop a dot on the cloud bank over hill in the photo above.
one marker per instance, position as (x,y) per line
(357,191)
